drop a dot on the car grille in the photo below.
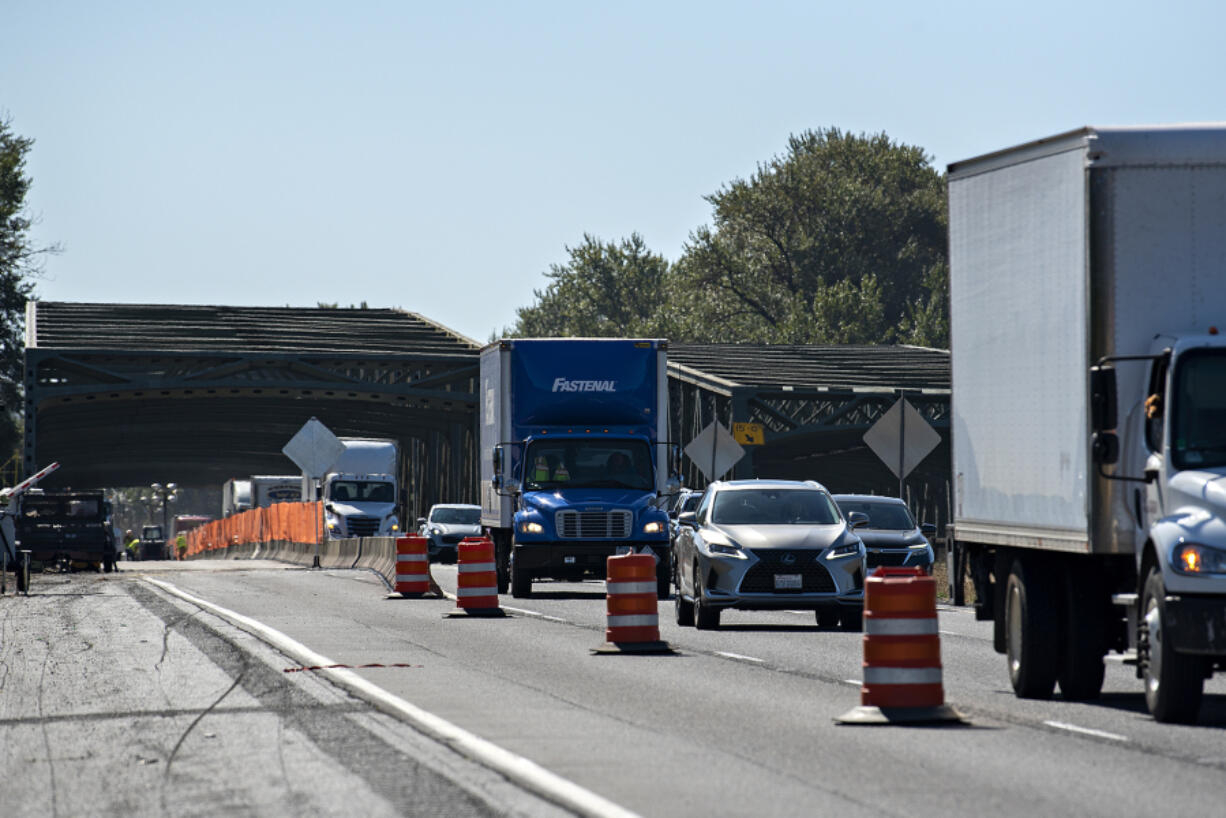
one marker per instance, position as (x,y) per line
(593,525)
(362,526)
(814,578)
(876,558)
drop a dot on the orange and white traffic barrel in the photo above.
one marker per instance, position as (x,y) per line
(477,579)
(633,619)
(412,566)
(902,652)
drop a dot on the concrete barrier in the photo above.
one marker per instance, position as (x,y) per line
(379,555)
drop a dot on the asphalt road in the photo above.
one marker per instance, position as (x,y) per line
(113,685)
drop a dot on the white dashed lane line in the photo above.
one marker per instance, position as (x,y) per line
(1086,731)
(739,657)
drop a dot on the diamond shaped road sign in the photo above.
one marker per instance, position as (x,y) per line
(902,438)
(714,451)
(314,449)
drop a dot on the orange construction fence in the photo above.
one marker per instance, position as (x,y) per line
(286,522)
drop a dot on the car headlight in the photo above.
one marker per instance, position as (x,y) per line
(727,549)
(841,551)
(654,527)
(532,528)
(1193,558)
(436,531)
(919,546)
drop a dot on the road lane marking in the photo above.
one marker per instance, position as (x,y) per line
(536,614)
(1087,731)
(522,771)
(738,657)
(853,682)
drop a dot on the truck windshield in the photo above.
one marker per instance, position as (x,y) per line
(361,491)
(1198,425)
(601,463)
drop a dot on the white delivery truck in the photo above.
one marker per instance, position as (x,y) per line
(235,496)
(361,490)
(267,489)
(1087,286)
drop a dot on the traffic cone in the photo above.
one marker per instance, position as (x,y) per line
(902,652)
(476,580)
(633,623)
(412,568)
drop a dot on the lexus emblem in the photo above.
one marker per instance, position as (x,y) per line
(788,559)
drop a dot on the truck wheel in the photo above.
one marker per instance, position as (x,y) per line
(1032,631)
(1082,668)
(502,565)
(521,581)
(1174,682)
(663,578)
(706,617)
(108,566)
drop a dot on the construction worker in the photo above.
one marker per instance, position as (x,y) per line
(181,545)
(131,544)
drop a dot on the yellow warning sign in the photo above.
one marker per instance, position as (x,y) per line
(751,434)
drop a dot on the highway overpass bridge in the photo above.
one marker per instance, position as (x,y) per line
(130,394)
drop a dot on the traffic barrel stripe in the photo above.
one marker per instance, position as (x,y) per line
(900,627)
(622,587)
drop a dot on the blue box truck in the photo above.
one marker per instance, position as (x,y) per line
(574,448)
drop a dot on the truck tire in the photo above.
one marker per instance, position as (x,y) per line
(706,617)
(521,581)
(1032,631)
(1085,625)
(664,573)
(1174,682)
(502,564)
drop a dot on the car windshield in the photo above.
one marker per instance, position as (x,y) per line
(550,464)
(456,516)
(151,532)
(773,507)
(1198,425)
(361,491)
(690,503)
(882,516)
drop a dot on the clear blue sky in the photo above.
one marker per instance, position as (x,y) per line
(439,157)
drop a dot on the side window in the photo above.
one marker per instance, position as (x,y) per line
(1155,404)
(703,505)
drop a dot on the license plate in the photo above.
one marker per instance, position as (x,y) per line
(788,582)
(568,560)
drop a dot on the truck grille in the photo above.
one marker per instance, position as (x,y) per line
(593,525)
(362,526)
(814,578)
(890,558)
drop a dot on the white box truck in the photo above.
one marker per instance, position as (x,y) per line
(360,492)
(235,496)
(1087,286)
(267,489)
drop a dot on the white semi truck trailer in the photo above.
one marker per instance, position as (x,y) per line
(1087,289)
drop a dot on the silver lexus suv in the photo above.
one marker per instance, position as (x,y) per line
(768,544)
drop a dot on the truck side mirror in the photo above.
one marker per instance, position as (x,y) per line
(1105,448)
(1103,401)
(689,518)
(672,486)
(497,458)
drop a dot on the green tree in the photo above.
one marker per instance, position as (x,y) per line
(20,260)
(839,240)
(607,289)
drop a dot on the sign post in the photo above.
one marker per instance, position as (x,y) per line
(314,449)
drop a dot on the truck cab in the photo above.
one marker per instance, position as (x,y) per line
(574,455)
(360,505)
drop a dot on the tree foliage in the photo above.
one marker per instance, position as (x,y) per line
(20,260)
(607,289)
(840,240)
